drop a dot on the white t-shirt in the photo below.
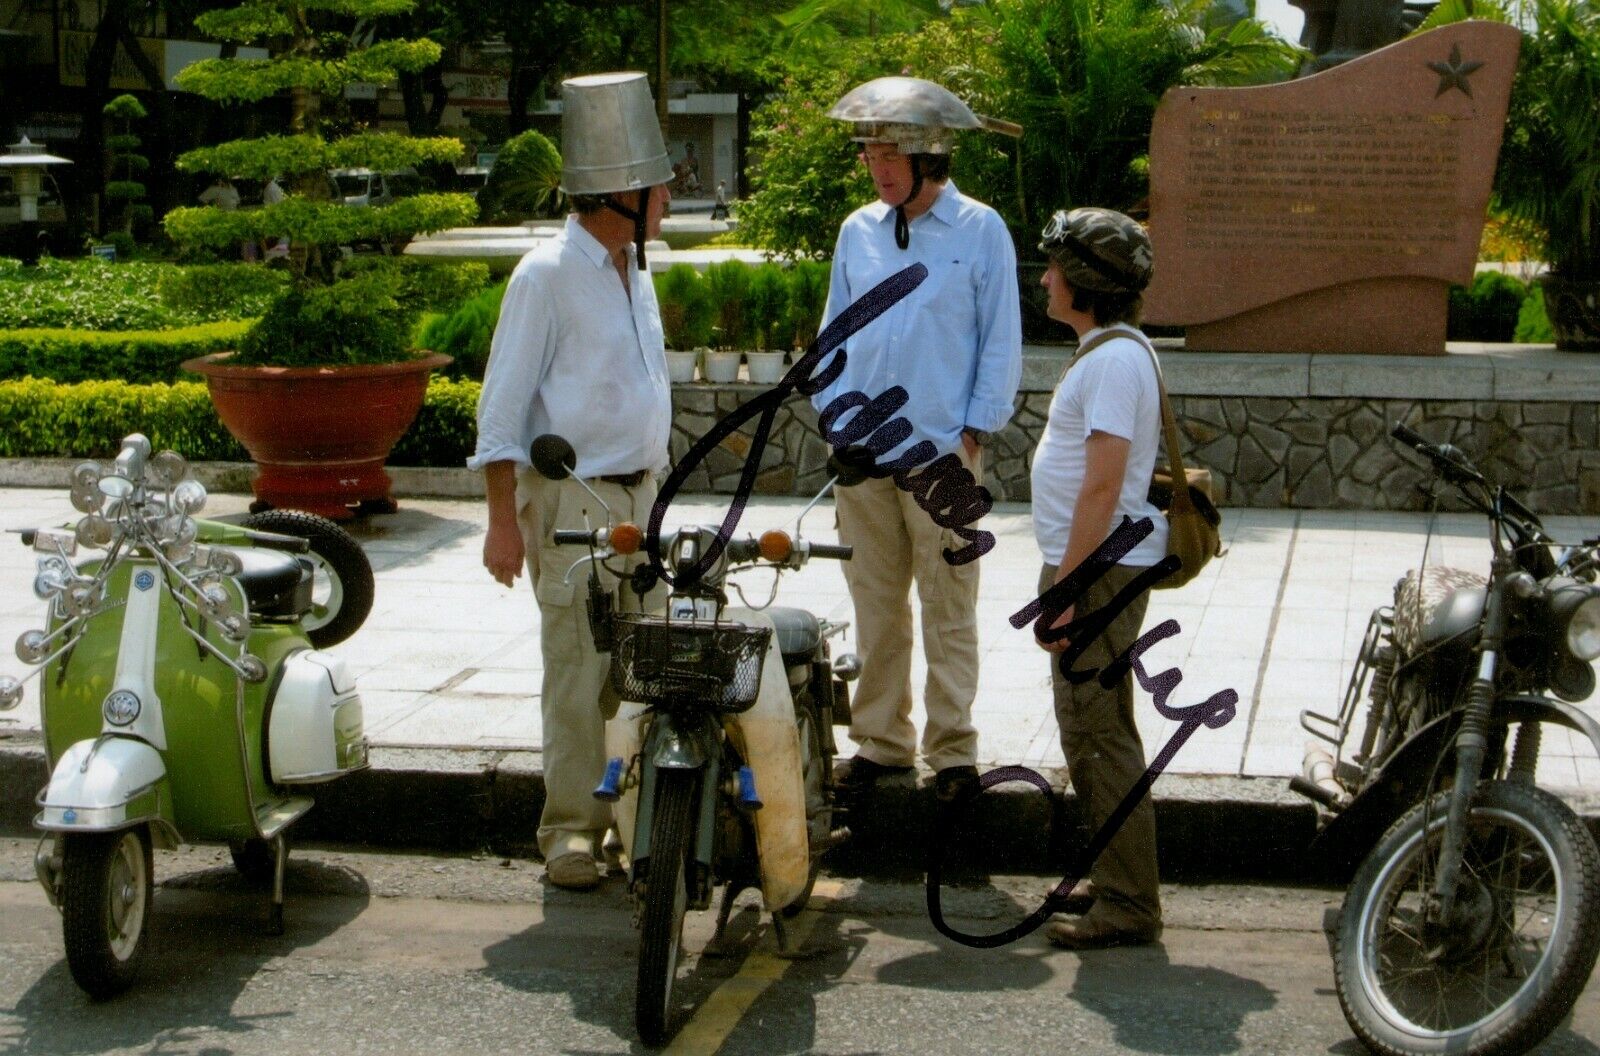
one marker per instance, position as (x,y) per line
(1112,390)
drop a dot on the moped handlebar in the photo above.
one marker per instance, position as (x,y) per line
(573,537)
(29,535)
(837,551)
(1447,458)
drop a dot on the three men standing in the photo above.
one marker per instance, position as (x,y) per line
(578,351)
(955,345)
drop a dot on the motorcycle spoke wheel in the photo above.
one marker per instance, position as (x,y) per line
(1518,951)
(666,901)
(107,888)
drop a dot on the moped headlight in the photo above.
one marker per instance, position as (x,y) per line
(50,581)
(84,474)
(167,468)
(94,531)
(1583,629)
(86,498)
(121,707)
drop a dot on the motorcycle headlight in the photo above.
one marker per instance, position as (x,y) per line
(121,707)
(1583,629)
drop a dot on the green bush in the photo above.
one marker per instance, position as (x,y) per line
(1533,323)
(808,297)
(466,333)
(525,181)
(86,294)
(129,355)
(687,312)
(221,291)
(356,320)
(727,284)
(427,285)
(766,304)
(1487,310)
(89,420)
(446,430)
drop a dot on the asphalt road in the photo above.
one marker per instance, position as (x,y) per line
(389,953)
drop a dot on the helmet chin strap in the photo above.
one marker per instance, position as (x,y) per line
(638,218)
(902,226)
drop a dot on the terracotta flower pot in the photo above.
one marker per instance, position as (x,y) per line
(319,435)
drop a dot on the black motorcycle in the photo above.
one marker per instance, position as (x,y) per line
(1473,921)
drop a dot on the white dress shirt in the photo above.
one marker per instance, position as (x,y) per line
(574,355)
(955,342)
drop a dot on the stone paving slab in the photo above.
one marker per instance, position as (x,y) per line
(449,659)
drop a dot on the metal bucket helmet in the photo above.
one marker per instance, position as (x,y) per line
(611,142)
(1099,249)
(916,117)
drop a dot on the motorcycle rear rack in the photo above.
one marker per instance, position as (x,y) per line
(1335,730)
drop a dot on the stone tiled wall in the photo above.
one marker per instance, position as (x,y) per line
(1285,444)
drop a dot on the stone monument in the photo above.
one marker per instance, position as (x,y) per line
(1331,213)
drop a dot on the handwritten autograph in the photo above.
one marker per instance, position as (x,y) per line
(947,491)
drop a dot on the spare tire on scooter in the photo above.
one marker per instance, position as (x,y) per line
(343,590)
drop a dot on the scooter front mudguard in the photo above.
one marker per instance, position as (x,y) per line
(108,784)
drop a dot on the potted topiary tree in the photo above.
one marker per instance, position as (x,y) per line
(326,382)
(127,165)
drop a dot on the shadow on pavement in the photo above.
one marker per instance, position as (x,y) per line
(208,943)
(1156,1006)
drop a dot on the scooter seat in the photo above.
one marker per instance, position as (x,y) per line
(277,585)
(799,633)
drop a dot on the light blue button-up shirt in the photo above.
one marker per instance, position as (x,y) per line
(955,342)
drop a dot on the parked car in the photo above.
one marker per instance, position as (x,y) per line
(366,187)
(471,179)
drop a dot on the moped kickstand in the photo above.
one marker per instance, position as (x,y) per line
(280,857)
(716,947)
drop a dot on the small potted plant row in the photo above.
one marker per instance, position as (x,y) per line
(736,312)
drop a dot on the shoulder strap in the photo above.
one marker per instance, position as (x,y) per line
(1169,427)
(1085,348)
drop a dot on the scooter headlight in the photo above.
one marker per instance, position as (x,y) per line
(51,580)
(167,469)
(1583,629)
(94,531)
(121,707)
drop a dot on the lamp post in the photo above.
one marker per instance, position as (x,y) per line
(26,162)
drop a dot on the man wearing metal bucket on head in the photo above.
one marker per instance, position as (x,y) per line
(955,345)
(578,352)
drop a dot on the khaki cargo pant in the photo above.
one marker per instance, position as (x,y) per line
(575,696)
(1105,757)
(895,543)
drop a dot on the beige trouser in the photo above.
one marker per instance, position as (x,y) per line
(575,696)
(1105,757)
(896,542)
(768,739)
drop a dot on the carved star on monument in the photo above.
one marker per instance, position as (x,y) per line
(1454,74)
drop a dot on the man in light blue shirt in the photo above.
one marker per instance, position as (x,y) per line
(955,345)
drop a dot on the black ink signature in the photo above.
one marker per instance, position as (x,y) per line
(1215,713)
(944,487)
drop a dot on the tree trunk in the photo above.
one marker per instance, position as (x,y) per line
(519,90)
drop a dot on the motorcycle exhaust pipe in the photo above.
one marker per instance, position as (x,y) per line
(1316,780)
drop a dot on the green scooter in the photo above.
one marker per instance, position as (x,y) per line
(182,696)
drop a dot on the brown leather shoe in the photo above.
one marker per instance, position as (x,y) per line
(574,871)
(1091,934)
(955,784)
(1076,902)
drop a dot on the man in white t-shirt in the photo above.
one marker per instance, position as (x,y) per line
(1092,468)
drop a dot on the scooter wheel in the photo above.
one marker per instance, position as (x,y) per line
(343,591)
(106,890)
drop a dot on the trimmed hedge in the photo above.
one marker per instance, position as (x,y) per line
(89,419)
(140,356)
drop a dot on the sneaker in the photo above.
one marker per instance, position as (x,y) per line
(955,784)
(575,871)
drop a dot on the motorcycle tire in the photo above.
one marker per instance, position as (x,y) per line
(666,900)
(254,860)
(819,812)
(343,592)
(106,892)
(1410,988)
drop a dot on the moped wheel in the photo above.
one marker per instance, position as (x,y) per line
(341,595)
(666,899)
(814,766)
(106,890)
(1507,970)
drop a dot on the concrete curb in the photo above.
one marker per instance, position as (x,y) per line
(1210,828)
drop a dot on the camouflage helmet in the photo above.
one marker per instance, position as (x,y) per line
(1099,249)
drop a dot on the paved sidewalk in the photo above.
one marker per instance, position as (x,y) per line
(450,659)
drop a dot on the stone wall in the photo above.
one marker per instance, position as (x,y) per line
(1259,423)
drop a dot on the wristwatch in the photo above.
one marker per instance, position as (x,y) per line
(979,437)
